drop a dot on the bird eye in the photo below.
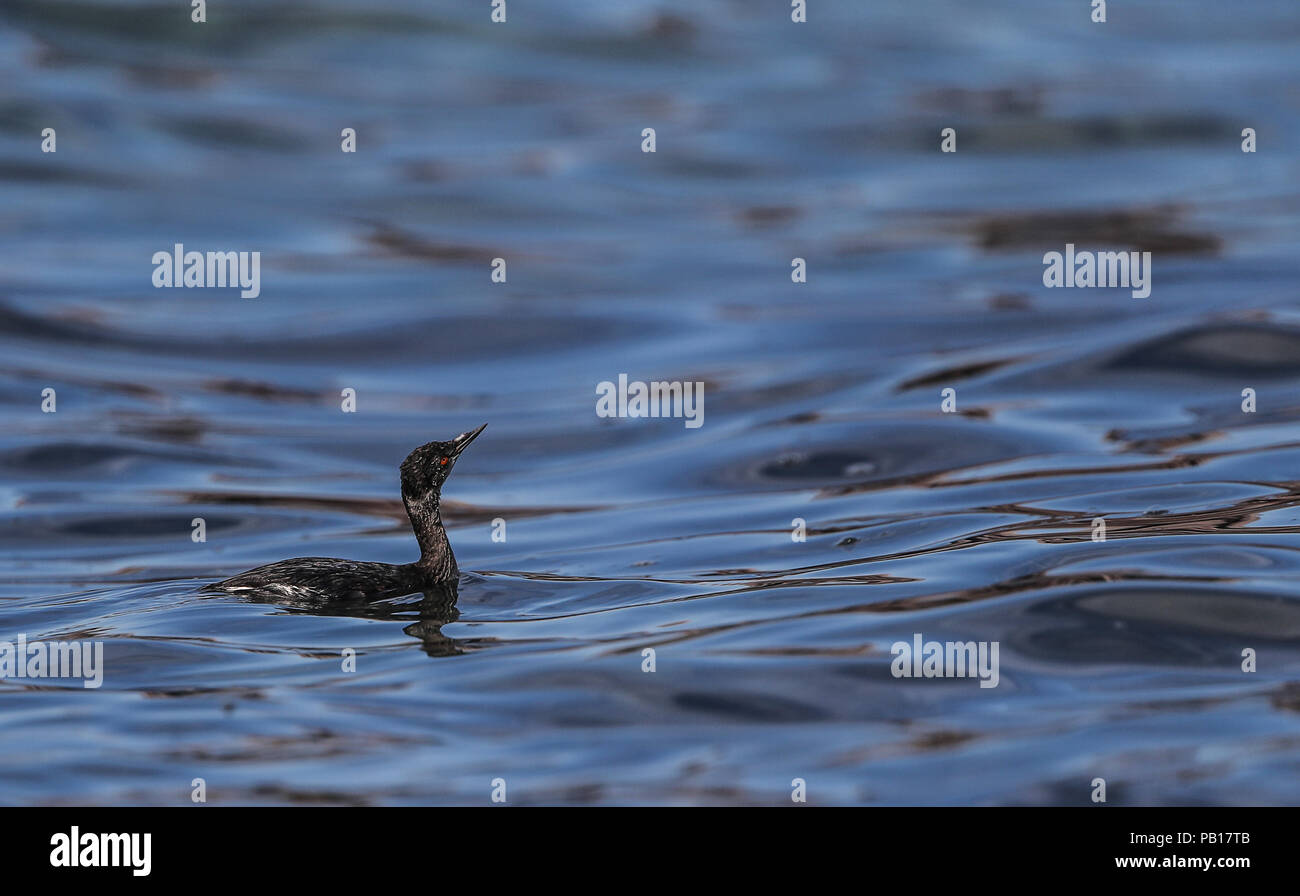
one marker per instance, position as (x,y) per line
(443,461)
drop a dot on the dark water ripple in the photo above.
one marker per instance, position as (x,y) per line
(1118,659)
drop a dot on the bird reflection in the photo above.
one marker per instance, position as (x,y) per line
(436,608)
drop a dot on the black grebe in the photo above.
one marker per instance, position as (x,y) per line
(423,473)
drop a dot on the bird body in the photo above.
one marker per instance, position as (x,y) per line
(308,577)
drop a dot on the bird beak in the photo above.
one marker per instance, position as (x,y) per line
(461,441)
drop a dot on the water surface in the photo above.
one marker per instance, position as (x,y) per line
(1119,659)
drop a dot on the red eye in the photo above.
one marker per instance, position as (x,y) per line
(443,461)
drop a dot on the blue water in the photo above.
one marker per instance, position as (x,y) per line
(1119,659)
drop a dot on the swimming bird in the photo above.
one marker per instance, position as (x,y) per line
(310,578)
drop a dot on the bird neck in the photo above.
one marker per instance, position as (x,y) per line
(436,557)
